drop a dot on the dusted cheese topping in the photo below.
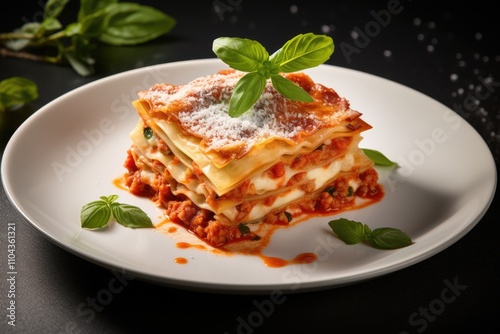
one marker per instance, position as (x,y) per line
(201,109)
(259,123)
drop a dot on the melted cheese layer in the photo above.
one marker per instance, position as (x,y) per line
(263,185)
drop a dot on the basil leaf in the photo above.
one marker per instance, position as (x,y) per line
(378,158)
(109,199)
(81,67)
(290,89)
(95,214)
(29,28)
(148,133)
(132,23)
(98,213)
(18,44)
(80,57)
(73,29)
(91,25)
(130,216)
(89,7)
(16,91)
(240,53)
(50,24)
(389,238)
(244,229)
(303,51)
(84,49)
(246,92)
(349,231)
(352,232)
(53,8)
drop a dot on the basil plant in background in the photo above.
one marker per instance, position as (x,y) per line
(16,91)
(98,21)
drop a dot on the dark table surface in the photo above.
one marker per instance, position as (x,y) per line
(443,52)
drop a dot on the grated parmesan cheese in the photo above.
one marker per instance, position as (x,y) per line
(203,111)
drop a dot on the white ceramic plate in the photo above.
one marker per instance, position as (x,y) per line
(69,152)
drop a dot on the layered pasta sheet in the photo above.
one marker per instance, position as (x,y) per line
(279,157)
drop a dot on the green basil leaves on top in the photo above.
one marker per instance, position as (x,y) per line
(301,52)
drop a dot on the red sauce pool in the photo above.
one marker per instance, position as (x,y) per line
(181,260)
(276,262)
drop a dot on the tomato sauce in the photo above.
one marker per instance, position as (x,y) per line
(276,262)
(180,260)
(244,246)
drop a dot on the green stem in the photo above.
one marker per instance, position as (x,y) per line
(57,35)
(29,56)
(16,35)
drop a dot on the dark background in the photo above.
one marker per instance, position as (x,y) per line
(441,51)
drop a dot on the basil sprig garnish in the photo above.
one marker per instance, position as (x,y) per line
(301,52)
(378,158)
(97,214)
(352,232)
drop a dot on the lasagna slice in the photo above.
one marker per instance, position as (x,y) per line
(218,176)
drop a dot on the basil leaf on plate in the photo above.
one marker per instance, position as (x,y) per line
(95,215)
(378,158)
(389,238)
(352,232)
(130,216)
(349,231)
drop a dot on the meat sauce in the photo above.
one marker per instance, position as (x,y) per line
(336,198)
